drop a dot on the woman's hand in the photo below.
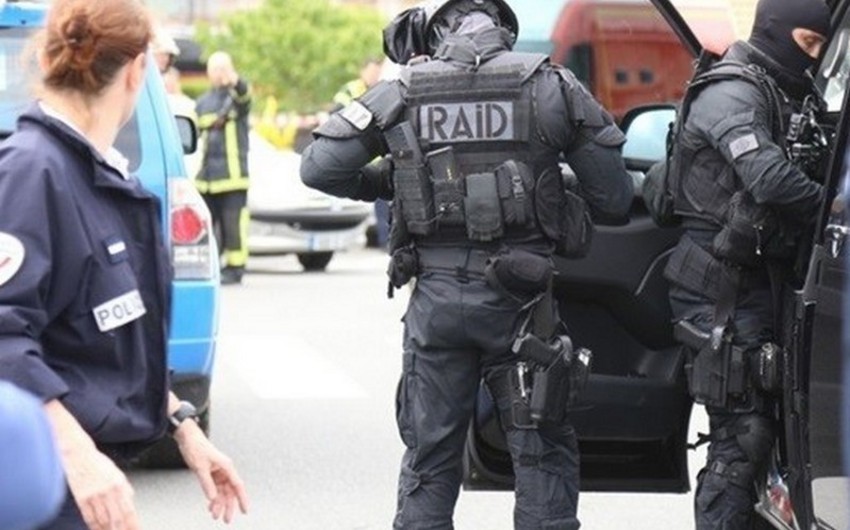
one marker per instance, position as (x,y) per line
(100,489)
(215,471)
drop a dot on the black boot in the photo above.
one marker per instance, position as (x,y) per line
(231,275)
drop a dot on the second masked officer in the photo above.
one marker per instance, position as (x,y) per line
(474,132)
(740,187)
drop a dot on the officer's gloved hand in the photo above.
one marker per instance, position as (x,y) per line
(379,176)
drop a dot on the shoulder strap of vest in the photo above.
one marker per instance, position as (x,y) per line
(530,62)
(728,70)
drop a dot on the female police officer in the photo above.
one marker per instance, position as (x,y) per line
(84,275)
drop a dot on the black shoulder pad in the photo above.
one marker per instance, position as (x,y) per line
(385,101)
(583,108)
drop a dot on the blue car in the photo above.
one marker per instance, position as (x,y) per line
(154,142)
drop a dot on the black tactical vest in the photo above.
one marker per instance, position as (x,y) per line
(482,168)
(703,183)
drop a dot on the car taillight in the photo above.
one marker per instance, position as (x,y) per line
(187,226)
(194,253)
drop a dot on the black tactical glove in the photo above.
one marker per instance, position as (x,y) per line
(378,178)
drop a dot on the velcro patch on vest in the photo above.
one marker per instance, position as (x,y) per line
(743,145)
(488,121)
(121,310)
(357,115)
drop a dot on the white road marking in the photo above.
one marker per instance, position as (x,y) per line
(286,367)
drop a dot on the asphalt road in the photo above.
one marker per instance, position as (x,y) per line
(303,402)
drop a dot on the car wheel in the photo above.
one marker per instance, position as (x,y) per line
(315,262)
(164,454)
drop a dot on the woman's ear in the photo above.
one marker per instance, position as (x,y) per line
(136,72)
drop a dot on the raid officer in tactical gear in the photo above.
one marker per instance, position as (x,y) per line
(474,132)
(738,181)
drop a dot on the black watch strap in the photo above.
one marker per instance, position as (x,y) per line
(183,413)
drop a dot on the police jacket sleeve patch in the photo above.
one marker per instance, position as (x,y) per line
(11,256)
(743,145)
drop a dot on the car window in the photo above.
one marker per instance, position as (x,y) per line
(18,81)
(835,67)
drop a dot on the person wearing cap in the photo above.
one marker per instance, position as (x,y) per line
(165,50)
(475,132)
(740,196)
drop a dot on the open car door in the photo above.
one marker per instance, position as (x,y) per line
(812,419)
(632,418)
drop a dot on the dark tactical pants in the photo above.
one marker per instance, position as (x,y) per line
(458,330)
(230,218)
(725,494)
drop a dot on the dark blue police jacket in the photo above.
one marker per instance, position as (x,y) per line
(84,314)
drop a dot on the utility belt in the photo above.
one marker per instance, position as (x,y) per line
(697,269)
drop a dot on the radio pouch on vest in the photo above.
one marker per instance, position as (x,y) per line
(448,186)
(483,209)
(411,180)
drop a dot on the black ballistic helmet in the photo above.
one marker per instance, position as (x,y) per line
(450,13)
(419,30)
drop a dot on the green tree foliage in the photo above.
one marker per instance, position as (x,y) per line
(300,51)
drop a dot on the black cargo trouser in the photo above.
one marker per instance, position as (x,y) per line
(725,495)
(458,330)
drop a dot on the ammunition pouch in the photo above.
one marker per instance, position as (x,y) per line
(483,212)
(411,182)
(518,273)
(752,233)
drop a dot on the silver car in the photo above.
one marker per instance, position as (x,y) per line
(290,218)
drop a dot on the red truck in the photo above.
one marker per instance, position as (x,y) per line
(626,53)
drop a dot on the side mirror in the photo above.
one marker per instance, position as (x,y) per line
(646,134)
(188,133)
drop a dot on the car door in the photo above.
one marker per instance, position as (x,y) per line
(632,418)
(819,486)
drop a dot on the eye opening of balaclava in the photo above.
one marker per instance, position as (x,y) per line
(774,23)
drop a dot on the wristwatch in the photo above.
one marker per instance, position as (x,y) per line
(183,413)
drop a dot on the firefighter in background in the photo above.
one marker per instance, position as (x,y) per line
(370,73)
(223,178)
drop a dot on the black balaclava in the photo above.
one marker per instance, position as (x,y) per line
(774,22)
